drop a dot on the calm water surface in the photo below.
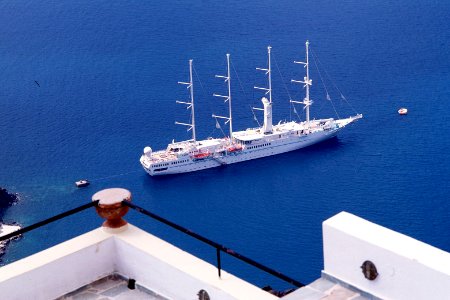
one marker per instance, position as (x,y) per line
(107,75)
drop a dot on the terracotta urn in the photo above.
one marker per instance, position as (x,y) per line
(110,206)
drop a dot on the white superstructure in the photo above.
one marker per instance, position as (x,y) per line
(252,143)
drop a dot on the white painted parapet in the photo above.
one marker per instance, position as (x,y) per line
(132,253)
(174,273)
(59,270)
(406,268)
(119,247)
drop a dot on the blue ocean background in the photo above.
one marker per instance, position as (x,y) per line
(86,85)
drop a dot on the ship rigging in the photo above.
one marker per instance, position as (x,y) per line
(252,143)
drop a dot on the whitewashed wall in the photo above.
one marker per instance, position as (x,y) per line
(58,270)
(177,274)
(133,253)
(408,269)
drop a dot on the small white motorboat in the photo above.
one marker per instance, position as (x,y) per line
(403,111)
(82,183)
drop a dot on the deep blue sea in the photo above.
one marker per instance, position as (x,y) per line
(86,85)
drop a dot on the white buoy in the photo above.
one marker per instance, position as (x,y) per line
(403,111)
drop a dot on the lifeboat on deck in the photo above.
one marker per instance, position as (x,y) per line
(234,148)
(201,155)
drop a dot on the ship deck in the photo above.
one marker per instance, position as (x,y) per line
(163,156)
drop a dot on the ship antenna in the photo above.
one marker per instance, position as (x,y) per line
(190,86)
(227,98)
(307,102)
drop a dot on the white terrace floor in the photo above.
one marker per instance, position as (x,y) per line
(112,287)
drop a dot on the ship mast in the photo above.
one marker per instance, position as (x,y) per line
(269,75)
(190,105)
(267,127)
(227,98)
(307,102)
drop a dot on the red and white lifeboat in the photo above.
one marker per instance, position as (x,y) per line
(234,148)
(201,155)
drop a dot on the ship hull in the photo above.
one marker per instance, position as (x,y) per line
(275,147)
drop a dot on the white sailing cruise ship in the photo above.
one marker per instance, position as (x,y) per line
(267,140)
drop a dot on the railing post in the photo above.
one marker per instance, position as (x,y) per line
(219,267)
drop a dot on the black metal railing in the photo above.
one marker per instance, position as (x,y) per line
(48,221)
(219,248)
